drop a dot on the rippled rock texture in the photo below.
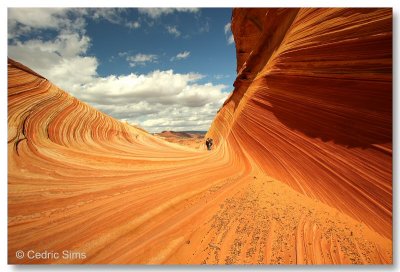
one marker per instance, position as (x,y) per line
(300,173)
(312,104)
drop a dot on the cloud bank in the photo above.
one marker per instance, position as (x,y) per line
(159,100)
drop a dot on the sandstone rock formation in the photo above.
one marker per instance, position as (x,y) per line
(301,172)
(312,104)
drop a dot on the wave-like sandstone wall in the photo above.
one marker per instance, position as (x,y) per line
(312,104)
(80,180)
(301,172)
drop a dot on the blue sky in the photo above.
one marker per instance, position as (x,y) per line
(162,69)
(201,34)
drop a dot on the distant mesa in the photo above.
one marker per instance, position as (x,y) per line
(181,134)
(170,133)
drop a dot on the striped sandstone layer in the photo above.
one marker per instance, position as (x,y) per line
(312,104)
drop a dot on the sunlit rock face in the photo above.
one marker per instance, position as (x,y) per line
(83,181)
(312,104)
(300,170)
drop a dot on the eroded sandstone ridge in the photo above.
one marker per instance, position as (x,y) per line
(312,104)
(300,173)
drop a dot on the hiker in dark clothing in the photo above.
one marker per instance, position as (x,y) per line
(209,143)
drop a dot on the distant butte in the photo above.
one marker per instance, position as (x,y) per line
(300,172)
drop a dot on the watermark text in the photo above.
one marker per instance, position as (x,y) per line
(50,255)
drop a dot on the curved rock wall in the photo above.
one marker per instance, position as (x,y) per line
(82,181)
(312,104)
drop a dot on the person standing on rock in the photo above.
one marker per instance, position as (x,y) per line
(209,143)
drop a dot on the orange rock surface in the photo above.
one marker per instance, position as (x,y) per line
(301,170)
(313,104)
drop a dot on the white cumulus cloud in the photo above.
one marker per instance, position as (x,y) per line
(231,40)
(160,100)
(228,33)
(173,30)
(25,20)
(227,28)
(141,59)
(58,59)
(133,24)
(181,56)
(155,13)
(113,15)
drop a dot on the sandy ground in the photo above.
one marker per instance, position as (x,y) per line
(264,221)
